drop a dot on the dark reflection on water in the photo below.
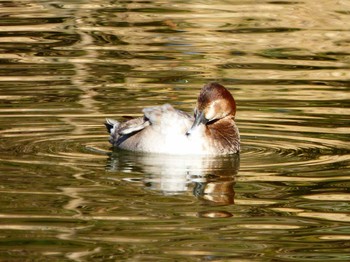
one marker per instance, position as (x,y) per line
(67,65)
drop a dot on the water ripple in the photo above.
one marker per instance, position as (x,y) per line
(66,65)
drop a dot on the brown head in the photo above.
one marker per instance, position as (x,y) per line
(214,102)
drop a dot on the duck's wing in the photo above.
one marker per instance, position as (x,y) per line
(133,125)
(165,115)
(157,115)
(159,123)
(128,127)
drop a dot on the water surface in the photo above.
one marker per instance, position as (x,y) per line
(67,65)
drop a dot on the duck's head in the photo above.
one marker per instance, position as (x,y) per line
(214,102)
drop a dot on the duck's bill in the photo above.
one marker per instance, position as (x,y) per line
(199,119)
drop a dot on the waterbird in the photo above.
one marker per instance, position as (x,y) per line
(166,130)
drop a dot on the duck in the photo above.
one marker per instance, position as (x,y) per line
(166,130)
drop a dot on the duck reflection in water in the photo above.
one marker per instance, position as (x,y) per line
(211,179)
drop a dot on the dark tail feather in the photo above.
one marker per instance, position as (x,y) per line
(110,124)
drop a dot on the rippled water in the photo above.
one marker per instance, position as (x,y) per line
(67,65)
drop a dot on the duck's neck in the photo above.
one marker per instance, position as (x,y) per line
(223,135)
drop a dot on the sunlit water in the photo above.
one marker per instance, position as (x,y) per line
(67,65)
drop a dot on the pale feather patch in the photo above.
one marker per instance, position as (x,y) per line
(212,112)
(133,128)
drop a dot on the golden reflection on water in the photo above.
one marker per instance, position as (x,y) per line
(329,197)
(340,217)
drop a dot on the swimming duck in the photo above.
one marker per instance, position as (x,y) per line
(166,130)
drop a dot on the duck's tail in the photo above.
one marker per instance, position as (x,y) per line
(111,125)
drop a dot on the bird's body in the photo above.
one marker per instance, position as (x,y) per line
(165,130)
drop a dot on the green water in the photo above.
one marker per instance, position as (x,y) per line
(65,66)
